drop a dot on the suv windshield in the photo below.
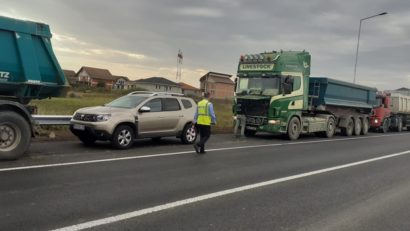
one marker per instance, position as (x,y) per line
(128,101)
(259,86)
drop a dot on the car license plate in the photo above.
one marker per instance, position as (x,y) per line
(79,127)
(251,128)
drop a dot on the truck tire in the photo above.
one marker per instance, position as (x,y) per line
(123,137)
(400,126)
(357,127)
(330,129)
(15,135)
(294,128)
(189,134)
(365,126)
(385,126)
(348,130)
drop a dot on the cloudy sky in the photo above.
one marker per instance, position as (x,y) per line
(141,38)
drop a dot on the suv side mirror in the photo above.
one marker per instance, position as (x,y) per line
(144,109)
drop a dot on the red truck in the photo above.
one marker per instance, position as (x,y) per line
(392,112)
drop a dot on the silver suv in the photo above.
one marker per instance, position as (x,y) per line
(137,115)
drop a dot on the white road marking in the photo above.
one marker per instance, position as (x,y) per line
(191,200)
(188,152)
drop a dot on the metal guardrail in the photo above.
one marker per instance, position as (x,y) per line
(52,119)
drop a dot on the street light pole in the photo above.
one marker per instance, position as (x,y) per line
(358,39)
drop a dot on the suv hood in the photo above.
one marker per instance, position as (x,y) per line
(102,110)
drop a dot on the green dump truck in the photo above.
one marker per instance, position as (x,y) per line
(28,70)
(275,94)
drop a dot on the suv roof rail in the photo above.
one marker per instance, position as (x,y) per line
(156,93)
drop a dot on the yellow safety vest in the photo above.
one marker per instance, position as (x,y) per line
(203,113)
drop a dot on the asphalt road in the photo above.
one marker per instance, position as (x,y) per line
(261,183)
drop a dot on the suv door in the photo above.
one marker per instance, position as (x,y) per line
(174,114)
(151,122)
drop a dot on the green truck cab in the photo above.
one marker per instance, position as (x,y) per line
(275,94)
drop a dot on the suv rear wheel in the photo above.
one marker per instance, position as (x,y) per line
(123,137)
(189,134)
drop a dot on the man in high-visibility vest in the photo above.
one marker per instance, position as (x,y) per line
(204,117)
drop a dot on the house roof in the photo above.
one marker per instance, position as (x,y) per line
(121,77)
(403,89)
(217,78)
(97,73)
(185,86)
(69,73)
(157,80)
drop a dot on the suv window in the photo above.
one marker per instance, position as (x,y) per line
(187,104)
(128,101)
(171,104)
(155,105)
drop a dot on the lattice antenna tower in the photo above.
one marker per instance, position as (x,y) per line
(179,65)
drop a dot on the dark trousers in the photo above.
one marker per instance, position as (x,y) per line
(204,133)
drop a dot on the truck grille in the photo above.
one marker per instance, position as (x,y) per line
(253,107)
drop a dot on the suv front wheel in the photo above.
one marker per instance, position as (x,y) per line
(123,137)
(189,134)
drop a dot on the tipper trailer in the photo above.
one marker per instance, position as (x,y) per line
(275,94)
(28,70)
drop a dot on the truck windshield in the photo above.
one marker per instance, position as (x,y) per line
(128,101)
(258,86)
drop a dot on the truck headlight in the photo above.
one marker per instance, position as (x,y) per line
(102,117)
(274,121)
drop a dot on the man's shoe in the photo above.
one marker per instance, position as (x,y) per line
(196,148)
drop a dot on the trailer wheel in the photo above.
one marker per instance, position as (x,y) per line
(348,130)
(365,127)
(15,135)
(357,127)
(294,128)
(400,126)
(385,126)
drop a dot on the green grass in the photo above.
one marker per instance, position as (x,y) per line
(67,106)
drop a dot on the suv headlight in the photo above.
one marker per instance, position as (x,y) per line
(102,117)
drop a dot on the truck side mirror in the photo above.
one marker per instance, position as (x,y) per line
(287,85)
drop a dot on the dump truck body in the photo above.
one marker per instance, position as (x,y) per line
(392,112)
(275,94)
(28,70)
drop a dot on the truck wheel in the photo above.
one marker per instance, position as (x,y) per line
(400,126)
(249,133)
(348,130)
(330,128)
(357,127)
(123,137)
(15,135)
(365,127)
(189,134)
(385,126)
(294,129)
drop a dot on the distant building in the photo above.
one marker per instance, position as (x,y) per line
(94,77)
(121,82)
(219,85)
(158,84)
(70,76)
(189,90)
(403,90)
